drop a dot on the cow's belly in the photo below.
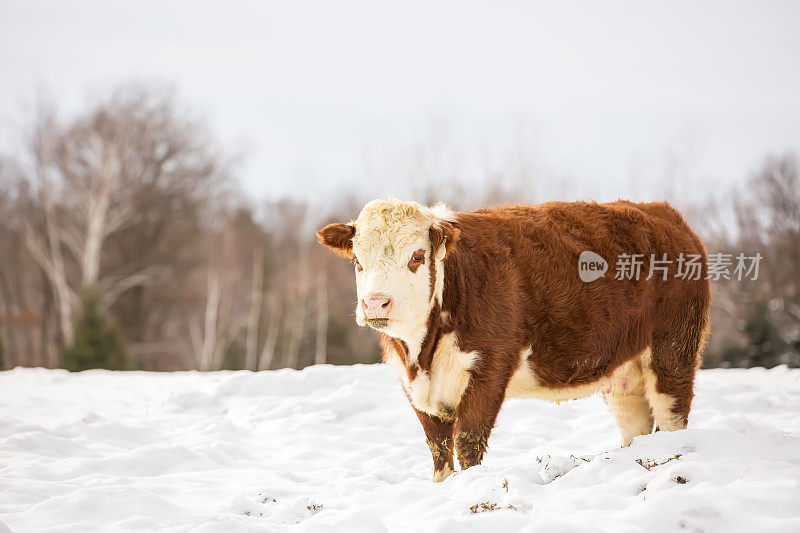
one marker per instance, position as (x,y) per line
(524,384)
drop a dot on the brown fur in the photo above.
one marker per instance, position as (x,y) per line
(511,282)
(443,232)
(338,238)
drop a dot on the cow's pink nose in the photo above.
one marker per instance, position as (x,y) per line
(376,307)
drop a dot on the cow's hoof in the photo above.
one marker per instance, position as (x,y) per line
(441,475)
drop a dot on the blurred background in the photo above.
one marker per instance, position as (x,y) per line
(163,165)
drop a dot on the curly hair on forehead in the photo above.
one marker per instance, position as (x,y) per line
(394,210)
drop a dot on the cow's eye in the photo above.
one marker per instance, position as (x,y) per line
(357,264)
(417,259)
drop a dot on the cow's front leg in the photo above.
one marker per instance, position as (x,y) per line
(439,435)
(477,413)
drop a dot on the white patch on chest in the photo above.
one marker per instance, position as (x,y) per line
(524,384)
(439,391)
(394,360)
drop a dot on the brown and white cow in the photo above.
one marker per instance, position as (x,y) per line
(475,307)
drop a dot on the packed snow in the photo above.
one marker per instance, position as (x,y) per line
(339,449)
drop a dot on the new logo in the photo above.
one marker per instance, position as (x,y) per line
(591,266)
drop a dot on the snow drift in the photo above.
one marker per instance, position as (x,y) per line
(339,449)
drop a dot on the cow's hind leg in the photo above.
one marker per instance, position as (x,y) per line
(670,365)
(669,392)
(627,402)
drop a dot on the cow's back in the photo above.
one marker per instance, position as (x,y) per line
(576,332)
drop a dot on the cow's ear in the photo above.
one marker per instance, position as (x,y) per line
(443,237)
(339,238)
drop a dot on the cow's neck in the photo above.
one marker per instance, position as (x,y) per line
(422,345)
(420,340)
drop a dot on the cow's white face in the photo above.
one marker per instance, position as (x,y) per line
(394,266)
(398,250)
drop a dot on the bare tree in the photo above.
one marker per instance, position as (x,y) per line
(253,316)
(46,243)
(320,354)
(757,321)
(267,356)
(300,308)
(205,339)
(118,193)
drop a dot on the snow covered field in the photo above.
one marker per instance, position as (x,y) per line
(339,449)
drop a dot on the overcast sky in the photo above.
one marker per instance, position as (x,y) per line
(328,96)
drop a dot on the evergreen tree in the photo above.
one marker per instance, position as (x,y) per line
(765,345)
(98,338)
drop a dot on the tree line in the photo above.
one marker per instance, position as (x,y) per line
(125,244)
